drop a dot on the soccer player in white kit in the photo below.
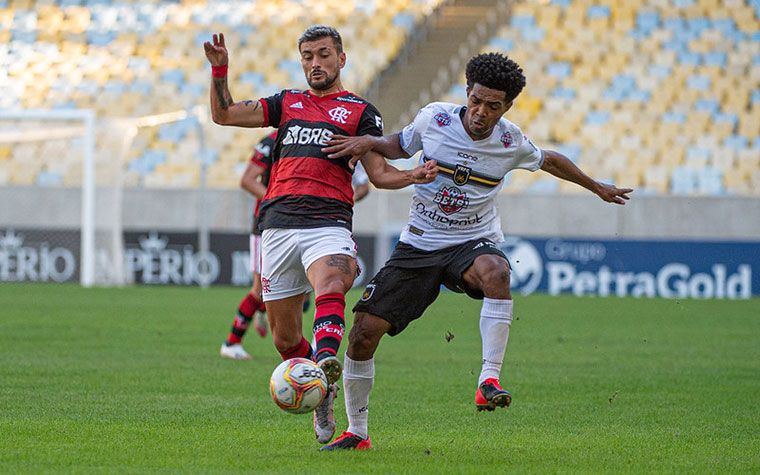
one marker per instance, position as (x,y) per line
(452,230)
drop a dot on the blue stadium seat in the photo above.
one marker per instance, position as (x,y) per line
(674,117)
(598,11)
(683,180)
(699,82)
(560,70)
(710,181)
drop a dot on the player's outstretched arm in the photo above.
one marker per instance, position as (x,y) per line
(383,175)
(224,110)
(562,167)
(388,146)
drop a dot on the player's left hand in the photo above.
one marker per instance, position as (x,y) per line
(425,173)
(343,145)
(613,194)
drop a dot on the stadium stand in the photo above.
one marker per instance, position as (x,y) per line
(660,95)
(132,59)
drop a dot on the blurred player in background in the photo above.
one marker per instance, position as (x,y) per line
(251,309)
(306,213)
(452,229)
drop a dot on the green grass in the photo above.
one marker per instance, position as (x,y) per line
(129,380)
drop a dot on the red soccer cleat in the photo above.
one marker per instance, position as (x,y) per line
(348,441)
(489,396)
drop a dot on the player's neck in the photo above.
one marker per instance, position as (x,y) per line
(336,88)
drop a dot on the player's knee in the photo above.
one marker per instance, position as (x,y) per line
(283,342)
(364,336)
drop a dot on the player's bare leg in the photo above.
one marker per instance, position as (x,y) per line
(285,321)
(331,277)
(358,378)
(490,274)
(260,317)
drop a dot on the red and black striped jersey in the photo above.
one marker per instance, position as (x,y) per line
(262,156)
(307,189)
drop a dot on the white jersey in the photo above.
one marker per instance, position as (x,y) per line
(459,206)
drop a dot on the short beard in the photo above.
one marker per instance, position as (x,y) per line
(324,84)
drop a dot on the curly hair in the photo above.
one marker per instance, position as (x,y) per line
(316,32)
(496,71)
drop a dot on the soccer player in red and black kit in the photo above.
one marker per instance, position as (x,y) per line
(306,214)
(251,309)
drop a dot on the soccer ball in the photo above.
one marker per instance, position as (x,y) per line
(298,385)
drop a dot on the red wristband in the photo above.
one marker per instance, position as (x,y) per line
(219,71)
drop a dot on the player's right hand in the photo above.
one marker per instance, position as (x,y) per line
(344,145)
(425,173)
(216,53)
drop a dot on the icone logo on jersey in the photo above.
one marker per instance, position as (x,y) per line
(506,139)
(442,119)
(451,199)
(306,136)
(467,156)
(339,114)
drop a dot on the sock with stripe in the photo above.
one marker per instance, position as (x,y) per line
(329,324)
(301,350)
(246,309)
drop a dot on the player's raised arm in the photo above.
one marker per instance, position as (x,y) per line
(383,175)
(388,146)
(562,167)
(224,110)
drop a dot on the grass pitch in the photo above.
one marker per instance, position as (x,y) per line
(130,380)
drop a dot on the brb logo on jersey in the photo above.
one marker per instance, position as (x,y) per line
(442,119)
(451,199)
(506,139)
(306,136)
(339,114)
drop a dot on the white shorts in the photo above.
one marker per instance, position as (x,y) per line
(286,254)
(255,252)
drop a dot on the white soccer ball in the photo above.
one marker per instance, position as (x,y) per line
(298,385)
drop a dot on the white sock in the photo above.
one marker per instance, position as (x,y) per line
(358,378)
(495,320)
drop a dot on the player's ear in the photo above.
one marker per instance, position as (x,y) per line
(509,106)
(341,60)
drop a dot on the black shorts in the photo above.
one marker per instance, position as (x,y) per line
(411,280)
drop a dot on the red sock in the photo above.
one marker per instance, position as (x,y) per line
(301,350)
(245,312)
(329,324)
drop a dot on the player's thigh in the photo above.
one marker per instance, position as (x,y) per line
(400,295)
(282,274)
(479,269)
(329,257)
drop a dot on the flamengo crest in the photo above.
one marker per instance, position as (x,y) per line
(339,114)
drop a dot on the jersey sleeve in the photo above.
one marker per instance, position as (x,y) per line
(273,109)
(528,156)
(411,135)
(371,122)
(262,154)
